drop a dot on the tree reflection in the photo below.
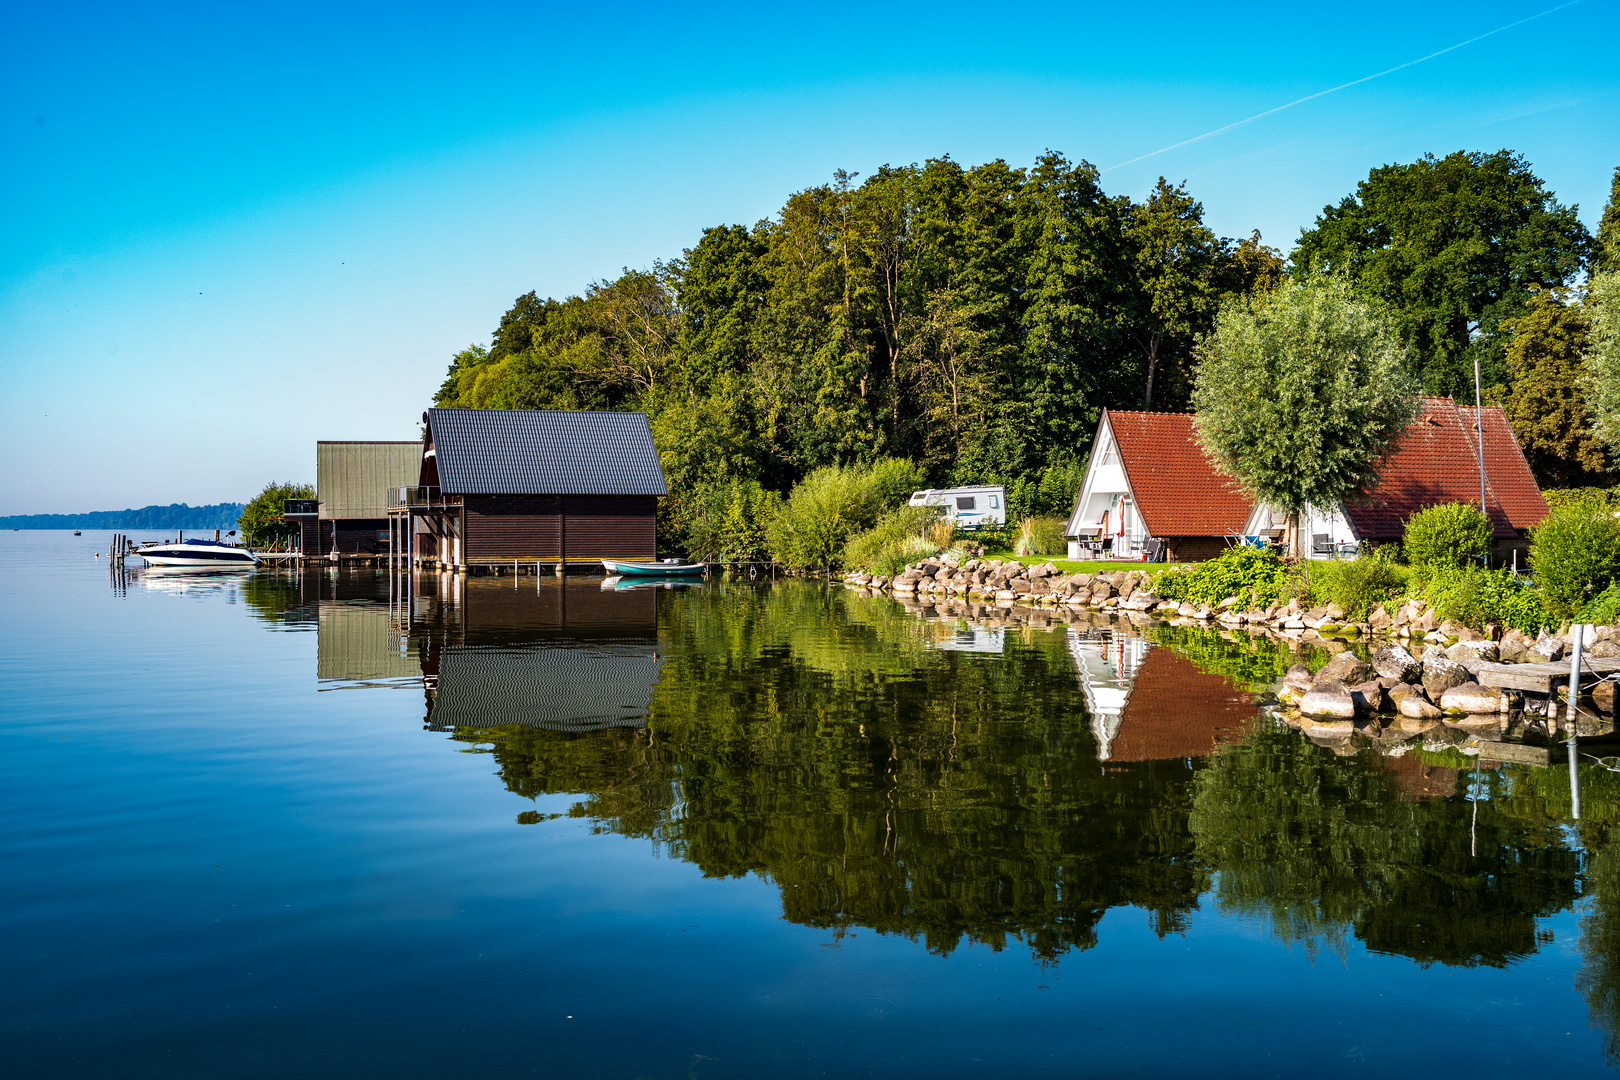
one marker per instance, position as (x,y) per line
(1320,846)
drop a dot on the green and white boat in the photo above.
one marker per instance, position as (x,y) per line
(662,568)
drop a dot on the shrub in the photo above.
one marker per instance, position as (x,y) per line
(895,542)
(1475,596)
(1603,609)
(1356,585)
(1451,534)
(1561,497)
(1041,536)
(727,522)
(1575,554)
(832,505)
(1258,577)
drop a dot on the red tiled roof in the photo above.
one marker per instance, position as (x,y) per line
(1176,487)
(1178,710)
(1437,462)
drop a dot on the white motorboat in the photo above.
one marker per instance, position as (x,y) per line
(208,554)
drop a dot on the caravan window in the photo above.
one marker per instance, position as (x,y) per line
(965,502)
(995,503)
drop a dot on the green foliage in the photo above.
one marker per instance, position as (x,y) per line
(727,522)
(1474,596)
(1543,403)
(1575,553)
(1301,392)
(897,540)
(1454,246)
(1258,577)
(1601,378)
(1561,497)
(1041,536)
(1603,609)
(261,521)
(1452,534)
(1356,585)
(1606,244)
(832,505)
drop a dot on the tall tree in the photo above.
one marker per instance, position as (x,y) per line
(1454,246)
(1601,380)
(1301,393)
(1606,244)
(1175,261)
(1544,403)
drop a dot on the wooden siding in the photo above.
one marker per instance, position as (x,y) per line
(352,478)
(560,528)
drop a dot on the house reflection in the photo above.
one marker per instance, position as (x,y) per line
(556,654)
(563,655)
(1153,704)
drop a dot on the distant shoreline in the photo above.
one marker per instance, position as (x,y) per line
(171,517)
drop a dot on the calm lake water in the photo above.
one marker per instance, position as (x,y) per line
(291,825)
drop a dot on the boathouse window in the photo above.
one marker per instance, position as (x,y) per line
(966,502)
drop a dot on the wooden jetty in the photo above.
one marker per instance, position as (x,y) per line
(1544,678)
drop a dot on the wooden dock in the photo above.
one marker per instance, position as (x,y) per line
(1543,678)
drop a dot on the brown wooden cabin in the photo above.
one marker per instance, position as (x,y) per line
(351,505)
(497,486)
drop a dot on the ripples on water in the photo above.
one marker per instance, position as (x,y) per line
(311,824)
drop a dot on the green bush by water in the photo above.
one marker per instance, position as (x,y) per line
(895,542)
(832,505)
(1356,585)
(727,522)
(1453,534)
(1603,609)
(1474,596)
(1576,554)
(1259,578)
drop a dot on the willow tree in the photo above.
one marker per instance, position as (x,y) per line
(1301,393)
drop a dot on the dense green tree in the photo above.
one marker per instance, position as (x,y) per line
(1601,379)
(1544,402)
(1301,392)
(262,521)
(1606,244)
(1175,267)
(1454,246)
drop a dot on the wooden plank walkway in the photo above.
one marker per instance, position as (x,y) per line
(1541,678)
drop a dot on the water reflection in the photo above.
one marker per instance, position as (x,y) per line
(954,780)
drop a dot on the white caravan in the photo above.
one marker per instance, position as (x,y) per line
(972,507)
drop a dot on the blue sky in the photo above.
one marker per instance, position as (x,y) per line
(232,230)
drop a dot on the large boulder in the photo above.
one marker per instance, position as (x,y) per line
(1298,681)
(1371,697)
(1548,648)
(1348,668)
(1328,699)
(1480,649)
(1393,661)
(1441,674)
(1472,699)
(1411,702)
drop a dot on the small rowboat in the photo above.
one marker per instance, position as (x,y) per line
(665,568)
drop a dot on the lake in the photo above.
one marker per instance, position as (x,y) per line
(313,824)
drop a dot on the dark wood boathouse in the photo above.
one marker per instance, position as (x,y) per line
(349,514)
(497,486)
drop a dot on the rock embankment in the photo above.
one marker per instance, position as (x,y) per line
(1008,581)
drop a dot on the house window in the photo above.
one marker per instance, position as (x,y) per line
(1110,455)
(966,502)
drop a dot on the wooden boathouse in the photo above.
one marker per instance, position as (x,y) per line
(498,486)
(349,514)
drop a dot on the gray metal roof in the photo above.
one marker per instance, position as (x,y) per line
(512,452)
